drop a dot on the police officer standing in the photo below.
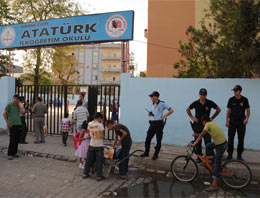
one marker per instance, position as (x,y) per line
(236,120)
(202,107)
(156,124)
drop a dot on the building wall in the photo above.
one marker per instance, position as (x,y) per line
(179,94)
(111,64)
(7,87)
(108,77)
(200,7)
(167,24)
(112,52)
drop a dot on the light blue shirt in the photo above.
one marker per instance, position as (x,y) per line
(159,109)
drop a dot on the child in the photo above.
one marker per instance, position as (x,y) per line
(65,128)
(82,150)
(219,144)
(95,151)
(125,141)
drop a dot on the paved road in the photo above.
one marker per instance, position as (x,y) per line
(35,177)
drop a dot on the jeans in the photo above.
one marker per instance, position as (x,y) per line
(240,128)
(154,129)
(198,128)
(64,137)
(220,149)
(79,127)
(94,153)
(123,166)
(15,135)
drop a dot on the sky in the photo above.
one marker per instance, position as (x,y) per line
(140,7)
(138,46)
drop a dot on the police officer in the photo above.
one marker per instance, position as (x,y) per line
(202,107)
(236,120)
(156,124)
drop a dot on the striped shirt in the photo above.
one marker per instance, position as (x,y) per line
(81,114)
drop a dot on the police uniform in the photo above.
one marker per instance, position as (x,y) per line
(200,110)
(156,126)
(237,115)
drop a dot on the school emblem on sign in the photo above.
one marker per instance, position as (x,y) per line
(241,104)
(116,26)
(7,36)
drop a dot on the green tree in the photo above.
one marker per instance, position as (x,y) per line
(44,74)
(228,47)
(64,66)
(35,10)
(6,17)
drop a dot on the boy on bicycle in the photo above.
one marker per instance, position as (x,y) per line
(219,144)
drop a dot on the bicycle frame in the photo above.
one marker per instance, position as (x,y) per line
(203,158)
(207,164)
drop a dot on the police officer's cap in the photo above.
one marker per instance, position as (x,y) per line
(237,88)
(203,91)
(155,93)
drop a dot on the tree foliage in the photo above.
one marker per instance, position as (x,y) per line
(227,44)
(35,10)
(6,17)
(44,76)
(64,65)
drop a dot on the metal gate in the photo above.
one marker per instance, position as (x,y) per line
(61,99)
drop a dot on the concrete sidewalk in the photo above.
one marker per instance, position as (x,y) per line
(55,149)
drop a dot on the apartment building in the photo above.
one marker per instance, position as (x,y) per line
(99,63)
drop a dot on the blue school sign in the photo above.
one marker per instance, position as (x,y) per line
(114,26)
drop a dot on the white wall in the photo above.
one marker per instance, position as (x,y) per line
(7,90)
(179,94)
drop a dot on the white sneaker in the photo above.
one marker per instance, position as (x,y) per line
(81,166)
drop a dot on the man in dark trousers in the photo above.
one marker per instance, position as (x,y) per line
(156,124)
(202,106)
(13,121)
(236,120)
(22,116)
(125,141)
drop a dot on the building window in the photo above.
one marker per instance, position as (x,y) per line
(114,66)
(87,67)
(94,66)
(94,77)
(114,78)
(115,55)
(95,53)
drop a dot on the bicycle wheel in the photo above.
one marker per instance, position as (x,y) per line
(236,174)
(184,168)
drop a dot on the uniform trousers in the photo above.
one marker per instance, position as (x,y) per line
(156,128)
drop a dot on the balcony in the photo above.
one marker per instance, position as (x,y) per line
(110,82)
(112,70)
(111,58)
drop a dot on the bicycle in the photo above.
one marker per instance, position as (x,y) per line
(235,174)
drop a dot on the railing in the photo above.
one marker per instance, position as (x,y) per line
(117,70)
(61,99)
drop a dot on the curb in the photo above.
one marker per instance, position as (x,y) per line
(45,155)
(164,165)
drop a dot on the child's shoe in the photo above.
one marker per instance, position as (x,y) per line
(81,166)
